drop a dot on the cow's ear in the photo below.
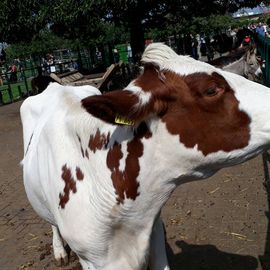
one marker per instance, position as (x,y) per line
(253,49)
(117,107)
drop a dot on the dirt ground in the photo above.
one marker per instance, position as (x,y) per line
(215,224)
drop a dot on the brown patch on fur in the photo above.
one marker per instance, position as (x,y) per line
(142,131)
(70,185)
(79,174)
(212,122)
(113,162)
(125,182)
(200,108)
(98,141)
(162,90)
(123,103)
(150,80)
(108,105)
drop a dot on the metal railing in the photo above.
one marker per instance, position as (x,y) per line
(263,47)
(17,86)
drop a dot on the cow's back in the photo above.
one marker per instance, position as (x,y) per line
(36,110)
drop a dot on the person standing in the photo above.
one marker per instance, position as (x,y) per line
(13,74)
(260,30)
(246,41)
(194,46)
(203,46)
(129,51)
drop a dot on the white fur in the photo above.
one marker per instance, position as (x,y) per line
(104,234)
(58,247)
(144,97)
(167,59)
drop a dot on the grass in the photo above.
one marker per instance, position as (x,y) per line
(15,93)
(6,98)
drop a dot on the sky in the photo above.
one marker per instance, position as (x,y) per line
(251,11)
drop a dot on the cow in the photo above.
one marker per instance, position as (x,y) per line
(99,167)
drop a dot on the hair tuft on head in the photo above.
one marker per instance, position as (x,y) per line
(158,54)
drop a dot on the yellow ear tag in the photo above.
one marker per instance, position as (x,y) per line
(119,119)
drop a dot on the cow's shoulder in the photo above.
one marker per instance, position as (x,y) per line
(37,110)
(55,94)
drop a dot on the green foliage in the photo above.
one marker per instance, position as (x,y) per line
(45,42)
(14,90)
(265,18)
(91,23)
(242,23)
(20,20)
(211,24)
(197,25)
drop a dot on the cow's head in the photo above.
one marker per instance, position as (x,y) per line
(201,118)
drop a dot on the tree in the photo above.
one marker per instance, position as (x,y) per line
(93,22)
(45,42)
(20,20)
(140,16)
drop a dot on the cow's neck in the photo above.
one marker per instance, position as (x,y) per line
(141,183)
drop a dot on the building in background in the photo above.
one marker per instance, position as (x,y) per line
(252,12)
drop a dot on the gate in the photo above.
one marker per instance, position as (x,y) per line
(263,47)
(15,87)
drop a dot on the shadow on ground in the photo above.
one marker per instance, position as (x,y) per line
(208,257)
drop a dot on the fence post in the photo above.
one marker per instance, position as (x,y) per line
(32,68)
(25,82)
(263,45)
(267,66)
(9,88)
(1,98)
(20,91)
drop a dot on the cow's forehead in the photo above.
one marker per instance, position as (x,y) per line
(184,65)
(166,59)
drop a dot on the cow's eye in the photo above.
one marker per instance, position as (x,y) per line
(211,91)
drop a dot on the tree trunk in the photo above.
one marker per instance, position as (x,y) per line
(137,41)
(110,52)
(135,16)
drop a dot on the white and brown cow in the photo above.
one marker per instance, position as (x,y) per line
(100,167)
